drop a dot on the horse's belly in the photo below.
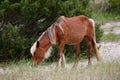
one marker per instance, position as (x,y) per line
(74,39)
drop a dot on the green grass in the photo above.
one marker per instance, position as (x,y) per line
(103,17)
(109,70)
(110,37)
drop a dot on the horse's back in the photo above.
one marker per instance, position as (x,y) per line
(76,21)
(77,25)
(76,29)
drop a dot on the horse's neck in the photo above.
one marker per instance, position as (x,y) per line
(47,46)
(45,41)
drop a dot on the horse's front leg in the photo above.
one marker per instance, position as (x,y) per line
(60,54)
(77,55)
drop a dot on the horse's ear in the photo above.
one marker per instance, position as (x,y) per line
(37,45)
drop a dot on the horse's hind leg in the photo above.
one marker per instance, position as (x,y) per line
(77,55)
(89,45)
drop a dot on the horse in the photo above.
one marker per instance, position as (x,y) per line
(66,30)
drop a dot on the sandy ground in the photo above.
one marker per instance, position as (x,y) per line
(110,50)
(111,27)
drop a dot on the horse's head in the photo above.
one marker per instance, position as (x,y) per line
(38,55)
(41,49)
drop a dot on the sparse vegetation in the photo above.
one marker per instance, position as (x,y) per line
(105,10)
(108,70)
(103,17)
(111,37)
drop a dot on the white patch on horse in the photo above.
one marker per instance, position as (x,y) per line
(59,62)
(48,53)
(93,22)
(33,48)
(64,62)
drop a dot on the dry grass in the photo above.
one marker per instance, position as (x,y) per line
(24,71)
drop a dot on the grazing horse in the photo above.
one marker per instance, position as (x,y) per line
(65,31)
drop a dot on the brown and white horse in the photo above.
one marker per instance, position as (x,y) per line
(65,31)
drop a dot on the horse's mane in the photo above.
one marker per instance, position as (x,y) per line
(51,29)
(51,35)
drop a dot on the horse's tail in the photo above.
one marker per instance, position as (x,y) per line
(94,44)
(93,24)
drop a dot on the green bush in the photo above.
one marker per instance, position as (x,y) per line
(22,22)
(12,45)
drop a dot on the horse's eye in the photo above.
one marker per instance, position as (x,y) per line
(34,53)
